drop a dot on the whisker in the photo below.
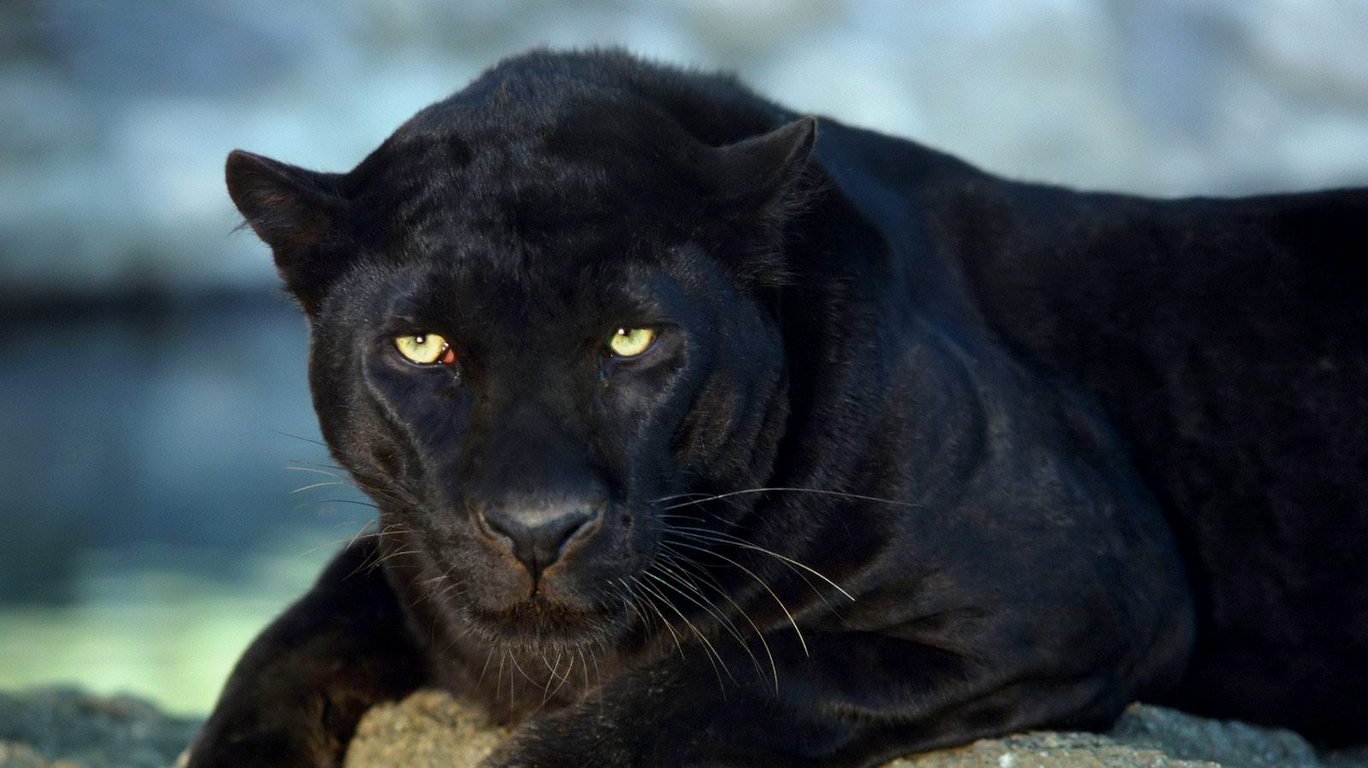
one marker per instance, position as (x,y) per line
(323,484)
(319,502)
(679,559)
(783,489)
(598,673)
(455,586)
(663,499)
(498,681)
(433,580)
(321,465)
(761,582)
(485,668)
(723,620)
(549,692)
(656,609)
(726,538)
(407,499)
(315,471)
(394,529)
(702,602)
(513,659)
(391,555)
(301,438)
(710,652)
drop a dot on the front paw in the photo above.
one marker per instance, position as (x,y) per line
(512,755)
(560,742)
(267,737)
(258,752)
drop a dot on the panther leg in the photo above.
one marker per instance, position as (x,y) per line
(853,699)
(295,697)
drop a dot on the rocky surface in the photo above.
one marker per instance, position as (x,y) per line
(429,730)
(68,729)
(426,729)
(64,728)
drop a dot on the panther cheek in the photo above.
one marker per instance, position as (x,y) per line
(708,427)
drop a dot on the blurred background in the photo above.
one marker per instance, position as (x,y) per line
(162,493)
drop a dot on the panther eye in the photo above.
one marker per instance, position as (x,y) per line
(425,349)
(630,342)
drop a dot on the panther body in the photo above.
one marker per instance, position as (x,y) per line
(705,433)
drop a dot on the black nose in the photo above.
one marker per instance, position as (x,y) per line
(537,535)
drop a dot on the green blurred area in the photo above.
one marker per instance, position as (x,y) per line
(170,635)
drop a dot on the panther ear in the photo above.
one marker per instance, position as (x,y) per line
(758,185)
(293,211)
(757,170)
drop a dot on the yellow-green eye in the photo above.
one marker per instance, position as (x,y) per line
(425,349)
(630,342)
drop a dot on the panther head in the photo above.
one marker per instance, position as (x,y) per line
(537,319)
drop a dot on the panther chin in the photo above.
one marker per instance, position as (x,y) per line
(542,624)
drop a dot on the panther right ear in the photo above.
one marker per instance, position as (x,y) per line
(757,185)
(292,210)
(756,171)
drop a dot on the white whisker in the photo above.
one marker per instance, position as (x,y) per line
(780,489)
(725,538)
(761,582)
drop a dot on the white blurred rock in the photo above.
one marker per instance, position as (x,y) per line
(114,122)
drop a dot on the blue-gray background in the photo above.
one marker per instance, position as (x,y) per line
(154,423)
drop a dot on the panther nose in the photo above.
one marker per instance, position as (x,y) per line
(537,536)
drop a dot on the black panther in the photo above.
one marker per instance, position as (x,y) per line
(706,433)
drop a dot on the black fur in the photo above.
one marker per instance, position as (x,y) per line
(918,455)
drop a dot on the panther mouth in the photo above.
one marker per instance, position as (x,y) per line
(542,623)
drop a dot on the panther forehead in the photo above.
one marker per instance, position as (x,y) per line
(592,173)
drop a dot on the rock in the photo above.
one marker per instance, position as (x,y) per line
(61,728)
(1049,750)
(428,728)
(64,728)
(1228,743)
(24,756)
(431,730)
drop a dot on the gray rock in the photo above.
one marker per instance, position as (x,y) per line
(65,728)
(1228,743)
(430,730)
(57,728)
